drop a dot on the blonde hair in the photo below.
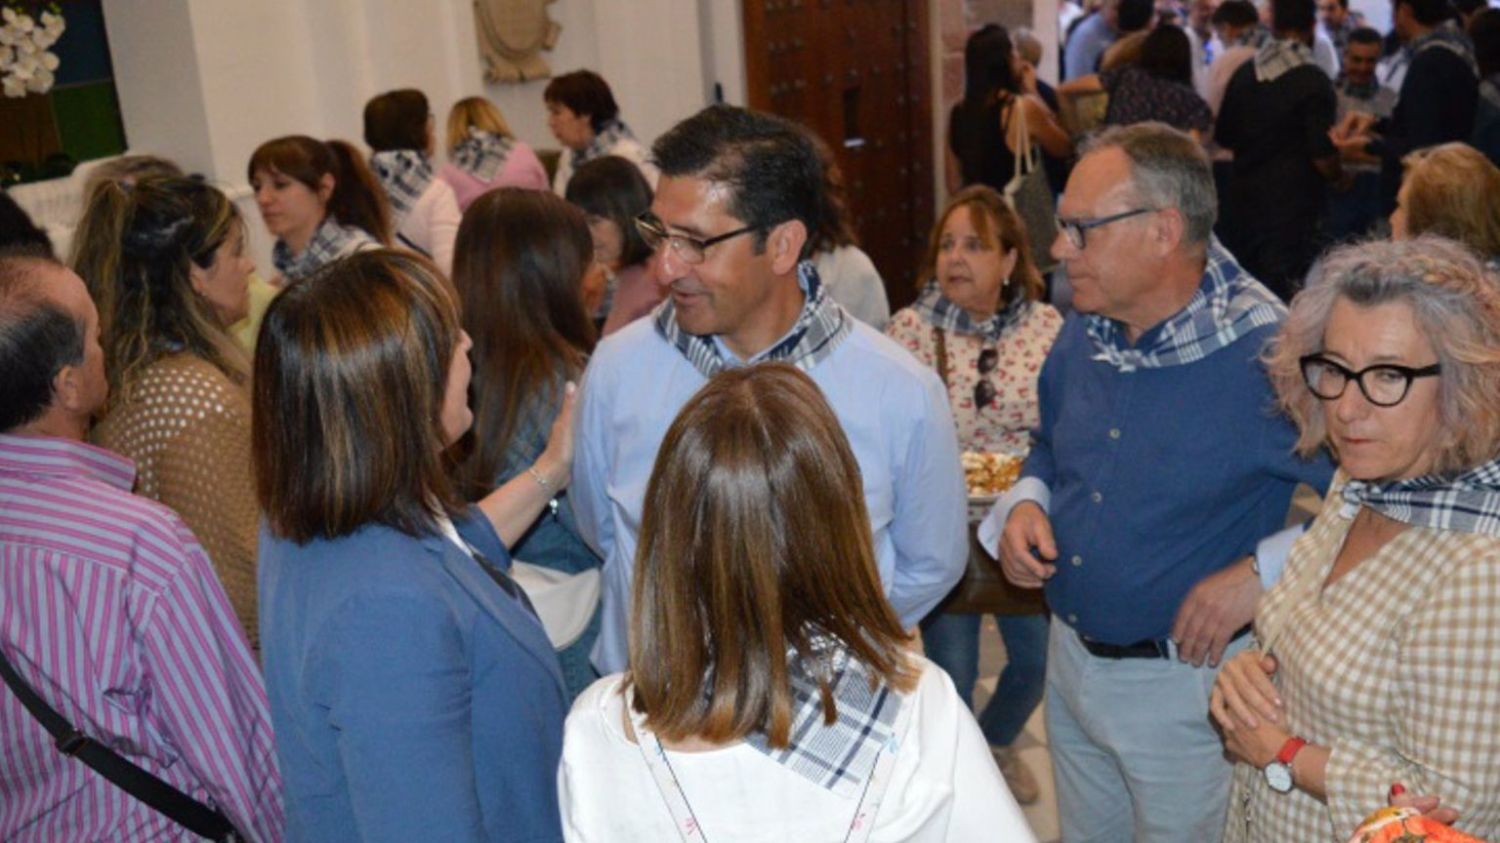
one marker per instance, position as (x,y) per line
(477,113)
(142,241)
(754,542)
(1455,301)
(1451,190)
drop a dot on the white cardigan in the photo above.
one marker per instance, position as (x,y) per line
(432,224)
(945,785)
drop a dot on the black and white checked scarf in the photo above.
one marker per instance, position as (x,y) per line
(604,140)
(481,154)
(941,312)
(1468,503)
(1275,58)
(331,242)
(1226,306)
(820,328)
(405,174)
(840,757)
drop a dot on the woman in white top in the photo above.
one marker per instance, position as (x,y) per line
(771,695)
(424,208)
(583,116)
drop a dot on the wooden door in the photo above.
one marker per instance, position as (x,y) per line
(856,71)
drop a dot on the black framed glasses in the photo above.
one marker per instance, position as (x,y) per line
(1076,229)
(984,390)
(689,249)
(1384,384)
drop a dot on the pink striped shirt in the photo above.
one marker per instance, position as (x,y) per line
(111,611)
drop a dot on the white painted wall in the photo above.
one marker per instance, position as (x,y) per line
(206,81)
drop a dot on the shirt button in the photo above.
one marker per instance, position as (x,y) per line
(1072,619)
(1077,561)
(1097,497)
(1114,433)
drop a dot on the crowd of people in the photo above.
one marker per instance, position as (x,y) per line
(617,505)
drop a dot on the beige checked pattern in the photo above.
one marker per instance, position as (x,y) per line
(1396,666)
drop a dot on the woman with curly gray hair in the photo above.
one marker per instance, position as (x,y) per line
(1375,664)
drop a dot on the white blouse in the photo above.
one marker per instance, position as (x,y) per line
(944,786)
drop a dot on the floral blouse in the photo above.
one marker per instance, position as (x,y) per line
(1004,424)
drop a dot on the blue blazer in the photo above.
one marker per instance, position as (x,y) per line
(413,699)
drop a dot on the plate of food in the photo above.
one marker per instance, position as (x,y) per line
(988,476)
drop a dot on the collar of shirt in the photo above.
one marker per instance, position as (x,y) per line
(64,458)
(1227,304)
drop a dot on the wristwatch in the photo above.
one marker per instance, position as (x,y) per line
(1279,771)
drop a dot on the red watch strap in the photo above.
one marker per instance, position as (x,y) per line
(1289,750)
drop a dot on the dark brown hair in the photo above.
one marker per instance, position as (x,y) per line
(397,120)
(997,225)
(584,92)
(518,264)
(350,374)
(613,188)
(357,198)
(754,538)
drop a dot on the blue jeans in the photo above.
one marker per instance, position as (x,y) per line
(952,643)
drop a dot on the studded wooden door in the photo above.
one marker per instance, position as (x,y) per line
(856,71)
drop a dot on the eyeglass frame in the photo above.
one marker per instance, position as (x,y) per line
(1410,373)
(1076,229)
(653,229)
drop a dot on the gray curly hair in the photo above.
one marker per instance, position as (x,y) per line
(1455,299)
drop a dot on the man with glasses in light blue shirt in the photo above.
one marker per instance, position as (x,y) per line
(1158,471)
(734,212)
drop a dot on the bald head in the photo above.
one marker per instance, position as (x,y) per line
(51,365)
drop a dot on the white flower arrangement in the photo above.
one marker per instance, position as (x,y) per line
(26,65)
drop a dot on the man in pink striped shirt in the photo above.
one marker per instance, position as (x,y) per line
(109,609)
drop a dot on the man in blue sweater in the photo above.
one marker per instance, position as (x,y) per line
(1159,466)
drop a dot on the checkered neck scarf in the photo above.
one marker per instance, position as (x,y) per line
(1254,36)
(1275,58)
(481,154)
(840,757)
(405,175)
(1468,503)
(1359,91)
(941,312)
(1445,37)
(818,331)
(1227,305)
(604,140)
(330,242)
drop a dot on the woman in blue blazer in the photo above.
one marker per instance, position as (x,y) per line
(414,693)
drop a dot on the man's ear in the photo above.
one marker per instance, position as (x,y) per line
(1168,231)
(67,388)
(785,244)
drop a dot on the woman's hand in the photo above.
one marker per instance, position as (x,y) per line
(556,461)
(1429,806)
(1244,696)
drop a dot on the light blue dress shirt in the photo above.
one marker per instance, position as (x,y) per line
(893,410)
(1081,55)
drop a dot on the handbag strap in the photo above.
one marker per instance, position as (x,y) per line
(940,343)
(1024,154)
(145,787)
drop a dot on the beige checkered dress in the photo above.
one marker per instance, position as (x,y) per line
(1396,666)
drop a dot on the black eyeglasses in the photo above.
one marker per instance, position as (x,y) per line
(690,249)
(1076,229)
(1384,385)
(984,391)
